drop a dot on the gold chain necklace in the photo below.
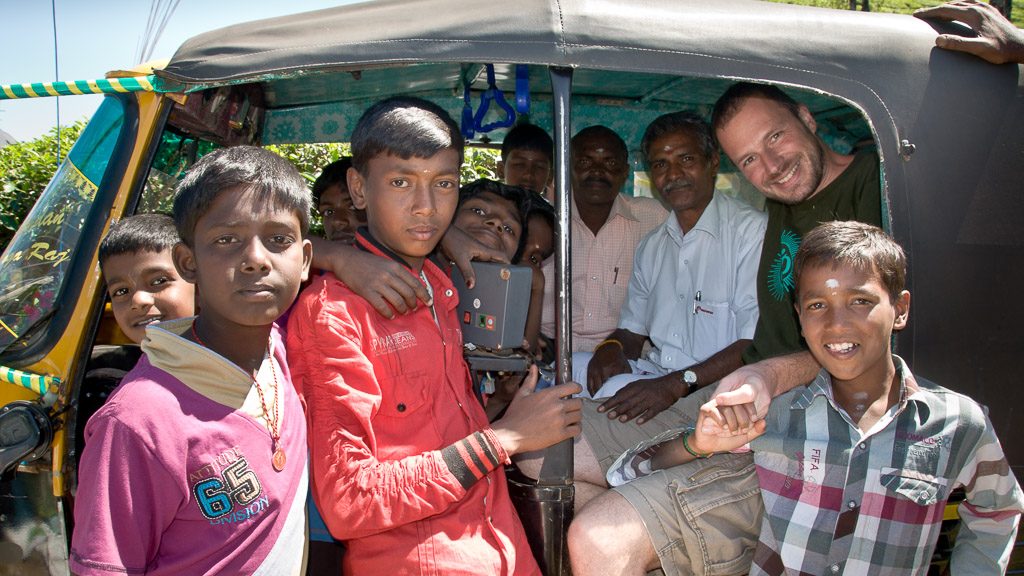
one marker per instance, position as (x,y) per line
(273,420)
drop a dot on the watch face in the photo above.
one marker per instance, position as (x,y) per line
(690,377)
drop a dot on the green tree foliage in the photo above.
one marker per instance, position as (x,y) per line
(310,159)
(25,170)
(480,163)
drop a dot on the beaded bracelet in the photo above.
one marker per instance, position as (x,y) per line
(686,444)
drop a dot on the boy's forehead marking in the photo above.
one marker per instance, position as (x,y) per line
(859,281)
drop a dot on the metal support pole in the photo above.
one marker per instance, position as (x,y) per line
(546,507)
(556,476)
(558,460)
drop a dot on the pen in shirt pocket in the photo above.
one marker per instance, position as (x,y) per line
(696,304)
(615,279)
(698,308)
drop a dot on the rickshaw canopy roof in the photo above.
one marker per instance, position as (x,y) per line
(599,38)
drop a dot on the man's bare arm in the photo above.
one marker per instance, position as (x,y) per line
(743,396)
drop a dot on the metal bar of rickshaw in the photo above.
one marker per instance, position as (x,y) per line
(555,484)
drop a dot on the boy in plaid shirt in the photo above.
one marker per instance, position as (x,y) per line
(856,467)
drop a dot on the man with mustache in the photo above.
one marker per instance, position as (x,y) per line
(692,294)
(606,228)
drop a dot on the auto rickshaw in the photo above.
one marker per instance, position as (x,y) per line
(948,128)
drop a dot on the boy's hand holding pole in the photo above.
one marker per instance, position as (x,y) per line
(536,420)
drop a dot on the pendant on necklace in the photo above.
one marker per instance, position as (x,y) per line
(278,460)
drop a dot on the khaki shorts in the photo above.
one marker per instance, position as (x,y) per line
(702,517)
(610,438)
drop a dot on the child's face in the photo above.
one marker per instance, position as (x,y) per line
(530,169)
(248,260)
(145,288)
(491,220)
(409,203)
(540,242)
(847,318)
(338,213)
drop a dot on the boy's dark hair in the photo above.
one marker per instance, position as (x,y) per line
(272,178)
(518,196)
(680,122)
(599,130)
(139,233)
(855,244)
(333,173)
(528,137)
(405,127)
(729,103)
(540,205)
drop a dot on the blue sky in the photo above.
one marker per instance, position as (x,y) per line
(95,36)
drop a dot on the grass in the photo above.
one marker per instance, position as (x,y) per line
(894,6)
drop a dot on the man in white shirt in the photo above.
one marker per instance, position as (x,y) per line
(710,244)
(692,293)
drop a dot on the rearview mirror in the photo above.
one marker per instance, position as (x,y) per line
(25,434)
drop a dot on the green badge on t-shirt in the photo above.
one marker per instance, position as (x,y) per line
(780,274)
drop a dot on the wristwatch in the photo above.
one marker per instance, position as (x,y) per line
(690,379)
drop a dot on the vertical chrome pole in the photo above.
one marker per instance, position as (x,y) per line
(558,461)
(554,490)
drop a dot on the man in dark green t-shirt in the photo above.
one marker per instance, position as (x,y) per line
(771,139)
(853,195)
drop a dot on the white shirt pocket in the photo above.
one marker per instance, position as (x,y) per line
(714,327)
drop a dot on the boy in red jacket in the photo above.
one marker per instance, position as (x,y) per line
(406,468)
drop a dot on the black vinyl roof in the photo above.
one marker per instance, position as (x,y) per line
(668,36)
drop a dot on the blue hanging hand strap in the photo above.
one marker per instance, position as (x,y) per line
(522,89)
(467,111)
(493,94)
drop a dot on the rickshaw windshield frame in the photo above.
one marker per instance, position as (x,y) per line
(39,264)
